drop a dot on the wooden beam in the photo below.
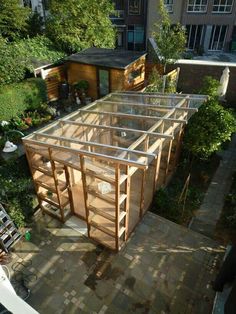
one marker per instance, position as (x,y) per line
(88,154)
(83,176)
(131,116)
(100,126)
(127,201)
(88,143)
(117,206)
(144,106)
(58,192)
(161,95)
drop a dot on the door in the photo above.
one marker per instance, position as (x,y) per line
(103,82)
(77,193)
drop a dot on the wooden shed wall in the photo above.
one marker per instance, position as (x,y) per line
(137,83)
(117,80)
(53,77)
(77,72)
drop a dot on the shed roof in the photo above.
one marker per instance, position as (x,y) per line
(111,58)
(141,121)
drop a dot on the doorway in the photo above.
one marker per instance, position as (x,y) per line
(103,82)
(77,192)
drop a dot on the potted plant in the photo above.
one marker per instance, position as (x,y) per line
(81,89)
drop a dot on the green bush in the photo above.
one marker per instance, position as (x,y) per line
(19,56)
(18,97)
(207,129)
(16,193)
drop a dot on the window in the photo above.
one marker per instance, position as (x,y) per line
(168,5)
(135,37)
(120,39)
(135,74)
(218,34)
(222,6)
(197,6)
(134,7)
(194,36)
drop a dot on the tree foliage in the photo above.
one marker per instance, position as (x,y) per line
(13,19)
(19,56)
(170,39)
(77,24)
(211,126)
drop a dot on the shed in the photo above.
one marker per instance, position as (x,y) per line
(104,162)
(107,70)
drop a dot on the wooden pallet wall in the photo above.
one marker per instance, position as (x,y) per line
(53,77)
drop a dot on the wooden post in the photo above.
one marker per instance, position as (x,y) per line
(85,192)
(157,168)
(142,194)
(58,192)
(127,202)
(68,183)
(117,205)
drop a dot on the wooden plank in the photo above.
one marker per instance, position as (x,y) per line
(86,153)
(132,116)
(110,127)
(117,206)
(144,106)
(85,192)
(95,144)
(127,201)
(58,192)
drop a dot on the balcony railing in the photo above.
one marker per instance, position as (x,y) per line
(118,15)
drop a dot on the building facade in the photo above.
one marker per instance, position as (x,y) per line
(130,21)
(41,6)
(210,24)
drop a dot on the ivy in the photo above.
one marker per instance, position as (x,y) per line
(19,56)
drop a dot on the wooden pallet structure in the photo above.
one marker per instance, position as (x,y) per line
(105,161)
(9,234)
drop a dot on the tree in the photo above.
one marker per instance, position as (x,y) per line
(35,24)
(19,56)
(211,126)
(170,39)
(13,18)
(77,24)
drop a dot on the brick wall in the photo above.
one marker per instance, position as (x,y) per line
(192,74)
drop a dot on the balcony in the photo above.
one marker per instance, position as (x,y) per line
(118,15)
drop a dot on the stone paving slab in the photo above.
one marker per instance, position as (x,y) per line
(164,268)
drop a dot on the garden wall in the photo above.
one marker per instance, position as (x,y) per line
(192,73)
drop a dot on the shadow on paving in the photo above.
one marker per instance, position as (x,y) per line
(164,268)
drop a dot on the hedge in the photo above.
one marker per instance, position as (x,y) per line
(18,97)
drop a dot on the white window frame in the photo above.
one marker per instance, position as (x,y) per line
(212,42)
(197,6)
(195,35)
(169,5)
(222,4)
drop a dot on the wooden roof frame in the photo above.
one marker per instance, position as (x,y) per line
(182,108)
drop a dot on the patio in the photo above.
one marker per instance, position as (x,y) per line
(164,268)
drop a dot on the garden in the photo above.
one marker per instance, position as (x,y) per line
(226,227)
(207,132)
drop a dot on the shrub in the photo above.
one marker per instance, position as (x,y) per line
(208,129)
(213,125)
(19,56)
(16,193)
(18,97)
